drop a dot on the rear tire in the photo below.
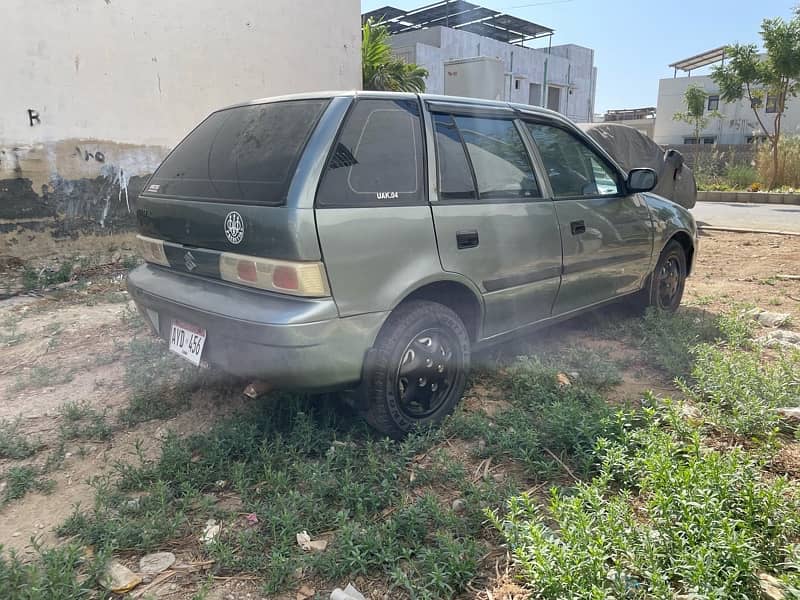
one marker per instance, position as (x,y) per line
(667,281)
(417,369)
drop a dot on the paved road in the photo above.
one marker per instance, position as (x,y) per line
(783,217)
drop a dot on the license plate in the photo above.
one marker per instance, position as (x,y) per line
(187,341)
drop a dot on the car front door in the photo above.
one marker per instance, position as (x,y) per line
(493,223)
(606,233)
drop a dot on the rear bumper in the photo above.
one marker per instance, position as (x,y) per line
(293,343)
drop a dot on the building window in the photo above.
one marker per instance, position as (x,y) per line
(709,139)
(771,105)
(516,84)
(713,102)
(756,139)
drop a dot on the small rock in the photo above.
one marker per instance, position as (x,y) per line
(459,505)
(116,257)
(155,563)
(132,504)
(16,534)
(68,455)
(211,532)
(771,588)
(481,445)
(563,380)
(771,319)
(499,477)
(305,592)
(348,593)
(790,414)
(690,412)
(119,579)
(574,375)
(780,339)
(306,543)
(132,306)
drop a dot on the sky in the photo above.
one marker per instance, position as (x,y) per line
(634,40)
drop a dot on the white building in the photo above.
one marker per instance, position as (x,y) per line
(97,92)
(737,125)
(474,51)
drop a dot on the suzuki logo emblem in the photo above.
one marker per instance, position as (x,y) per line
(234,227)
(188,261)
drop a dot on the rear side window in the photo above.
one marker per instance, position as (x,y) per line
(574,169)
(377,158)
(499,158)
(243,154)
(455,175)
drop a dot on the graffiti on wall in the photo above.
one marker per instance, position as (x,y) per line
(33,117)
(86,155)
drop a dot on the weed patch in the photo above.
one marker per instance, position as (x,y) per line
(82,421)
(16,445)
(665,516)
(21,480)
(63,573)
(299,466)
(740,389)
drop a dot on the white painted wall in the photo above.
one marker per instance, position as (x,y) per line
(737,124)
(146,71)
(569,66)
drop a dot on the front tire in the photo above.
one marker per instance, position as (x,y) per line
(668,279)
(417,369)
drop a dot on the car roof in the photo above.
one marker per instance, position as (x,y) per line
(477,102)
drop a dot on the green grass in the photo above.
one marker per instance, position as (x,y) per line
(301,466)
(42,376)
(62,573)
(160,382)
(16,445)
(545,418)
(665,516)
(739,389)
(41,278)
(21,480)
(82,421)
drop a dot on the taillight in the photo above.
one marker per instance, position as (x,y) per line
(152,250)
(298,278)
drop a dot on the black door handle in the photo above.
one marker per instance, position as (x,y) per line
(467,239)
(577,227)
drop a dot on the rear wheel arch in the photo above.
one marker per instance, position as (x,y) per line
(456,296)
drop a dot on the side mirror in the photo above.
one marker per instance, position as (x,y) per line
(641,180)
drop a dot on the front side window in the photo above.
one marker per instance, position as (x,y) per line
(377,158)
(574,169)
(498,157)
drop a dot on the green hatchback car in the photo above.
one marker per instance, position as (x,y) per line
(371,242)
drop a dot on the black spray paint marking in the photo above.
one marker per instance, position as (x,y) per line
(33,117)
(86,155)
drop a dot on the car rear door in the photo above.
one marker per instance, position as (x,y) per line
(606,233)
(493,224)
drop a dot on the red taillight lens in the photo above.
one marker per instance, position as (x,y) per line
(285,278)
(246,270)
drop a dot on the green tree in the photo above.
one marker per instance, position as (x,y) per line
(767,81)
(695,114)
(380,69)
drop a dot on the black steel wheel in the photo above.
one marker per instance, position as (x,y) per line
(417,370)
(669,278)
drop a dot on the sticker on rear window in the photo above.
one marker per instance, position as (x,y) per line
(154,187)
(388,195)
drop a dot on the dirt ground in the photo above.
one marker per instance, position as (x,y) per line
(72,347)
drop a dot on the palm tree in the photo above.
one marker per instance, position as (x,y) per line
(383,71)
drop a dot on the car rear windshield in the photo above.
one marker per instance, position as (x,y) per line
(243,154)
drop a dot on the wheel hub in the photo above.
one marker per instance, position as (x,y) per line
(425,375)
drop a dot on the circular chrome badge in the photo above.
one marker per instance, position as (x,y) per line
(234,227)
